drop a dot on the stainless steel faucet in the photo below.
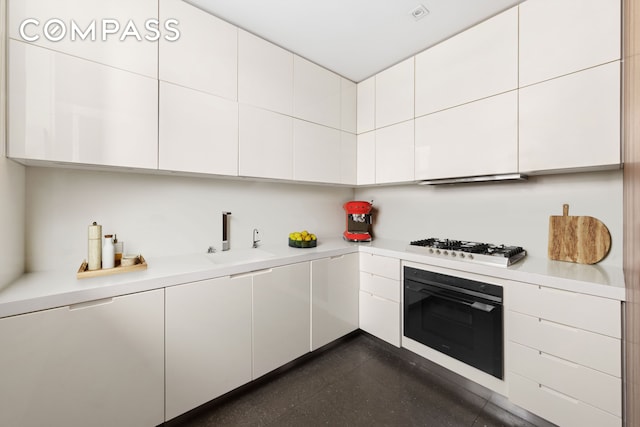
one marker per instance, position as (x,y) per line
(255,238)
(225,231)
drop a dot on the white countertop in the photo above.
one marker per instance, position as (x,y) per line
(43,290)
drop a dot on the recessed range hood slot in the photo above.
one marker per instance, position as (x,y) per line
(475,179)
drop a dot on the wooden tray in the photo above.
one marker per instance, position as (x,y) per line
(83,273)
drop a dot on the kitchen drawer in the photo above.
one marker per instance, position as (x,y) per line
(380,317)
(380,265)
(585,348)
(380,286)
(588,312)
(588,385)
(556,407)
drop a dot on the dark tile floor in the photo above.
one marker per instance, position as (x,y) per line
(361,381)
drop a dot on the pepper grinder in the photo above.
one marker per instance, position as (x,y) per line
(95,246)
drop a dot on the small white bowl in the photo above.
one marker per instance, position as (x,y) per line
(129,260)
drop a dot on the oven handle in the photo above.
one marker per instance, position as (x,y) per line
(476,304)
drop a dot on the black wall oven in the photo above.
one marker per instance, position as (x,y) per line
(458,317)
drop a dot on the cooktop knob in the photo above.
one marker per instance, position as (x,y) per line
(453,254)
(438,251)
(470,256)
(445,253)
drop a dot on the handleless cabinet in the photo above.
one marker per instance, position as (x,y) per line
(572,122)
(394,153)
(198,132)
(366,105)
(558,37)
(265,74)
(100,362)
(348,158)
(316,152)
(395,94)
(317,94)
(77,28)
(208,341)
(348,106)
(265,143)
(66,109)
(479,138)
(366,160)
(281,316)
(334,298)
(205,57)
(475,64)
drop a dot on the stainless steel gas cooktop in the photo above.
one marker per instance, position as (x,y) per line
(480,253)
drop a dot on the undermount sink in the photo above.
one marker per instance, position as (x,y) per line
(237,256)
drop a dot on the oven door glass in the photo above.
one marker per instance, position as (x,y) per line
(459,325)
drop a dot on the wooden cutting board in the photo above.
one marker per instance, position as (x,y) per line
(580,239)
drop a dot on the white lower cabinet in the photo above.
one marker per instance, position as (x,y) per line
(334,298)
(380,310)
(98,363)
(281,316)
(208,341)
(198,132)
(565,365)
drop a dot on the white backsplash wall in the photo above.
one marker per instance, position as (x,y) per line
(514,213)
(158,215)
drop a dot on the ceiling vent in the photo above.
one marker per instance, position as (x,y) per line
(419,12)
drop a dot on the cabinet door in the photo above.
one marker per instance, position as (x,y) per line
(316,93)
(380,317)
(208,341)
(265,74)
(334,298)
(572,121)
(97,363)
(394,153)
(265,144)
(561,37)
(281,316)
(127,47)
(480,138)
(475,64)
(206,55)
(348,108)
(198,131)
(366,105)
(366,161)
(394,94)
(316,152)
(66,109)
(348,158)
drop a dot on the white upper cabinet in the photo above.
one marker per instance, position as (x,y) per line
(265,74)
(316,153)
(77,28)
(366,161)
(66,109)
(317,93)
(265,144)
(348,107)
(394,94)
(348,158)
(479,138)
(572,121)
(394,153)
(198,132)
(558,37)
(206,55)
(475,64)
(366,105)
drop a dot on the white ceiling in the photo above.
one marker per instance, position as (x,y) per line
(354,38)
